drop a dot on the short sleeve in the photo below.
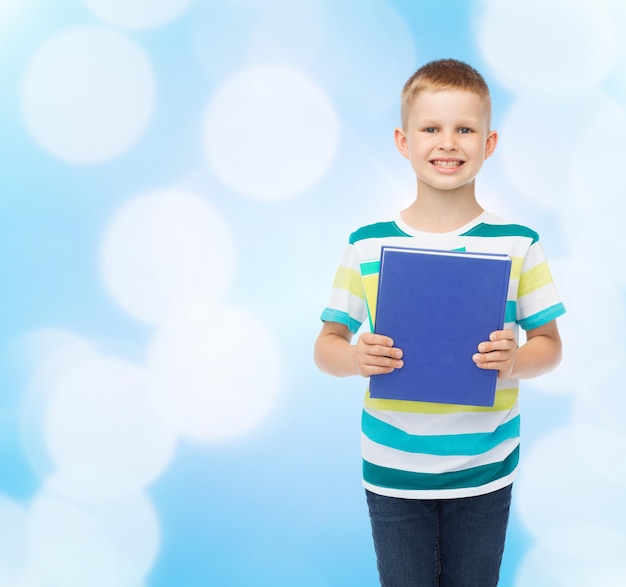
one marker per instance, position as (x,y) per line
(538,301)
(347,299)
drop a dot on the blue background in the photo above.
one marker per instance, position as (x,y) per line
(183,130)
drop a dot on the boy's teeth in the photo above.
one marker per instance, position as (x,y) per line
(447,163)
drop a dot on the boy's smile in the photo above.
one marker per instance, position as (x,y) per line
(447,139)
(447,165)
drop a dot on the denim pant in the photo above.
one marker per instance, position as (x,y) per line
(439,543)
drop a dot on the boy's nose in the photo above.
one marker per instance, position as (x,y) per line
(448,142)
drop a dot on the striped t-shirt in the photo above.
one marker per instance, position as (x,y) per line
(429,450)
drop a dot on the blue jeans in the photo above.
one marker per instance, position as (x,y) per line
(439,543)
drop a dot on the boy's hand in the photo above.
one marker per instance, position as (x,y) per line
(376,355)
(498,353)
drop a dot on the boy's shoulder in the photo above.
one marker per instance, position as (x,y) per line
(381,229)
(494,225)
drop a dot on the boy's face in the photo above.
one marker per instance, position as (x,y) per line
(447,138)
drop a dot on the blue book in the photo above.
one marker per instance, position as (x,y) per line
(438,306)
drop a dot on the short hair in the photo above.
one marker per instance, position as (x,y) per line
(441,75)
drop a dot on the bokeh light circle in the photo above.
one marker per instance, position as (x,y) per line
(594,184)
(88,94)
(555,479)
(230,36)
(163,250)
(221,369)
(103,417)
(547,45)
(270,132)
(140,14)
(14,541)
(538,141)
(597,428)
(604,327)
(50,354)
(131,524)
(365,74)
(68,547)
(575,555)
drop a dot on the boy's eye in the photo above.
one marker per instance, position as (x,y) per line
(464,130)
(430,129)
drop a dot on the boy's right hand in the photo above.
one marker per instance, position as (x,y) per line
(376,355)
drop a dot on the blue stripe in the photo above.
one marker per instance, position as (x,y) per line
(510,314)
(378,230)
(330,315)
(543,317)
(472,477)
(497,230)
(441,445)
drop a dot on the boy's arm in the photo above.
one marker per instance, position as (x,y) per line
(373,354)
(540,353)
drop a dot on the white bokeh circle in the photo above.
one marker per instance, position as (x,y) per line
(555,480)
(88,94)
(68,546)
(597,426)
(122,535)
(50,354)
(598,151)
(539,140)
(547,45)
(106,430)
(575,555)
(132,526)
(220,367)
(13,12)
(14,542)
(270,132)
(228,36)
(366,57)
(163,250)
(138,14)
(586,280)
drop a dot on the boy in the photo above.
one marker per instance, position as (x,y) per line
(438,477)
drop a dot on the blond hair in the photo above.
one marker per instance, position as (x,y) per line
(441,75)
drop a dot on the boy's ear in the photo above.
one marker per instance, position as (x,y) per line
(401,143)
(491,143)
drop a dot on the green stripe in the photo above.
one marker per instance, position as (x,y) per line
(442,445)
(510,313)
(473,477)
(543,317)
(494,230)
(378,230)
(370,268)
(330,315)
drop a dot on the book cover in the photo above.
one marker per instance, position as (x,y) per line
(438,306)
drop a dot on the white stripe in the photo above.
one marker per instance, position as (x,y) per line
(535,256)
(443,493)
(383,456)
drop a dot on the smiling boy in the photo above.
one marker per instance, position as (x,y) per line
(439,514)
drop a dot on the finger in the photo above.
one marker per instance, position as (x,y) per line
(378,350)
(381,369)
(501,335)
(498,345)
(482,363)
(371,338)
(391,353)
(382,361)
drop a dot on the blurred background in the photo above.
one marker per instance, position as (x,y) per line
(178,180)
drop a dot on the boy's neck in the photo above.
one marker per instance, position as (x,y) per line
(441,211)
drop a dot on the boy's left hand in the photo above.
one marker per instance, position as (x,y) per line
(498,353)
